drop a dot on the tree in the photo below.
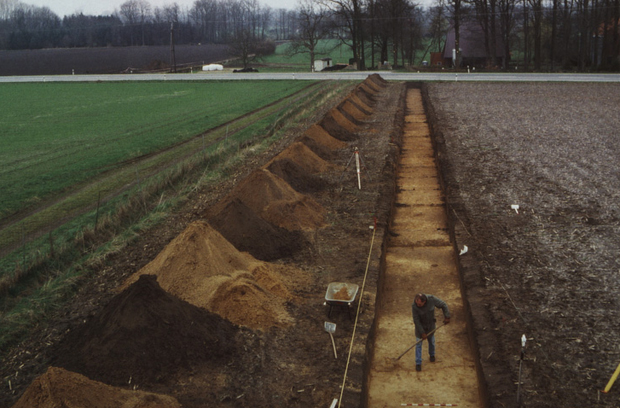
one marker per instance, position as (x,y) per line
(437,29)
(246,43)
(312,29)
(348,14)
(454,10)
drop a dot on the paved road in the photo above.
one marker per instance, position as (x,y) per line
(348,75)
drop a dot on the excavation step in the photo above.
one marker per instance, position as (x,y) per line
(420,258)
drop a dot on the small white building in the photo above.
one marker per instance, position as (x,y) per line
(321,64)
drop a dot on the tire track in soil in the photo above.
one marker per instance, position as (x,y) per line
(420,258)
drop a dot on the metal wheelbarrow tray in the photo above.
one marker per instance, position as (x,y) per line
(340,294)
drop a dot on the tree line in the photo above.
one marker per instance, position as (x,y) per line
(530,34)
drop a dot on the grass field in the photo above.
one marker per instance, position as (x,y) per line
(301,62)
(55,136)
(281,60)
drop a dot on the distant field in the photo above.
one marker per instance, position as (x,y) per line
(57,135)
(105,60)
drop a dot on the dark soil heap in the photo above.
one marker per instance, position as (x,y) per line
(144,336)
(201,267)
(339,126)
(306,159)
(61,388)
(322,143)
(296,176)
(354,111)
(248,232)
(274,200)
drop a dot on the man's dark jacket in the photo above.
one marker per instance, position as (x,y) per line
(424,317)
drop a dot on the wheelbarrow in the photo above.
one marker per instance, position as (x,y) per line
(342,295)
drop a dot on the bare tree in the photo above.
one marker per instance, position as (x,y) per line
(311,19)
(349,14)
(437,29)
(506,24)
(454,10)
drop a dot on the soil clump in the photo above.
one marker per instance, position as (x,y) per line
(62,388)
(146,335)
(276,202)
(338,126)
(201,267)
(297,176)
(250,233)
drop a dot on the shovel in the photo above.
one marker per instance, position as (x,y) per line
(331,328)
(420,341)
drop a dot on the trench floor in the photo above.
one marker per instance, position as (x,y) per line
(420,258)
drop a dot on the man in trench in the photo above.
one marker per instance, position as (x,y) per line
(423,310)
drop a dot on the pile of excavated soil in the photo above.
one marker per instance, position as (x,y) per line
(354,111)
(61,388)
(145,336)
(299,166)
(343,122)
(339,126)
(296,176)
(248,232)
(274,200)
(322,143)
(322,138)
(201,267)
(306,159)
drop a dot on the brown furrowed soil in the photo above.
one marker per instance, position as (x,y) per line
(549,269)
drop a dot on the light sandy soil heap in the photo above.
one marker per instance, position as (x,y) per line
(277,202)
(319,136)
(204,269)
(353,110)
(305,158)
(59,388)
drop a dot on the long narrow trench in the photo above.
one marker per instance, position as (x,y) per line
(420,258)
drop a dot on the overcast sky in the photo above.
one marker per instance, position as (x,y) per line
(103,7)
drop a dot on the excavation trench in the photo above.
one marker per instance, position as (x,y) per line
(419,257)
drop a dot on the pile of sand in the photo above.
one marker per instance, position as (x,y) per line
(248,232)
(377,80)
(60,388)
(274,200)
(320,137)
(356,100)
(201,267)
(354,111)
(305,158)
(339,126)
(296,176)
(146,335)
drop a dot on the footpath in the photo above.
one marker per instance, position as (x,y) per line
(420,258)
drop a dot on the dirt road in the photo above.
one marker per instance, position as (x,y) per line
(420,258)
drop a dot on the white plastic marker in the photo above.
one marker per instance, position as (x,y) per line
(357,164)
(464,250)
(515,207)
